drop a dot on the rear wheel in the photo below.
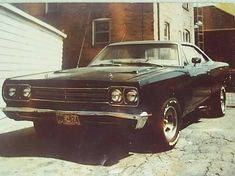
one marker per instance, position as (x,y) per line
(167,123)
(218,103)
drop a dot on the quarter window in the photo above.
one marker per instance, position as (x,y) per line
(101,31)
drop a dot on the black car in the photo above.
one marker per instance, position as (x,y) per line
(139,84)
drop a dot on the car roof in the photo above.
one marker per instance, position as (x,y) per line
(148,42)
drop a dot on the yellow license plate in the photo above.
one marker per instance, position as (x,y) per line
(68,119)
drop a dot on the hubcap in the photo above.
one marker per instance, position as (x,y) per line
(170,122)
(222,100)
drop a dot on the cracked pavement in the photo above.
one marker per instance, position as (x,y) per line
(204,148)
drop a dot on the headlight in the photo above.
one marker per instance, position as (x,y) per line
(116,96)
(26,92)
(132,96)
(12,91)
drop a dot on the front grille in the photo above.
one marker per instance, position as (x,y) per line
(93,95)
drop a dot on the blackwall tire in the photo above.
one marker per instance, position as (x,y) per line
(167,123)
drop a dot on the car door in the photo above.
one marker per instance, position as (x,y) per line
(199,81)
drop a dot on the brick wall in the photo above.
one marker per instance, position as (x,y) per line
(219,35)
(128,22)
(215,18)
(34,9)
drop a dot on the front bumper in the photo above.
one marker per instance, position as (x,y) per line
(25,113)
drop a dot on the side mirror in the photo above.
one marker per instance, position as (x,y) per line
(196,60)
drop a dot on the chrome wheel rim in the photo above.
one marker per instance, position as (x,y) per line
(222,100)
(170,122)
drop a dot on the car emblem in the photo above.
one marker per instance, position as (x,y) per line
(46,76)
(110,76)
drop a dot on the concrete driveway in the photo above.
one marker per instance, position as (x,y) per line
(204,148)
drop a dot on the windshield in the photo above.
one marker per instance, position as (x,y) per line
(141,54)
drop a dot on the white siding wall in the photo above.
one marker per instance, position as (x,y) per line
(26,47)
(178,18)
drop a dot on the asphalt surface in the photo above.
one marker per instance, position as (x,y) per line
(204,148)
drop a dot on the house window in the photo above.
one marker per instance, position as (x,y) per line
(186,36)
(166,31)
(185,6)
(101,31)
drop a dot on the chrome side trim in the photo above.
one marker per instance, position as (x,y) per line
(140,118)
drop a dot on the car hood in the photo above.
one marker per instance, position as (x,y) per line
(124,75)
(93,73)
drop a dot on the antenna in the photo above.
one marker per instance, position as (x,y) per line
(84,37)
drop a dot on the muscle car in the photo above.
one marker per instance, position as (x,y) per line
(139,85)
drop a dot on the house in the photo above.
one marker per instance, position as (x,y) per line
(91,26)
(216,35)
(27,45)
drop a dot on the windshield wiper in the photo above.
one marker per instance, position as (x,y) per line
(107,65)
(150,64)
(143,63)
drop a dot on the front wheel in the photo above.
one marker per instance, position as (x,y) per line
(167,123)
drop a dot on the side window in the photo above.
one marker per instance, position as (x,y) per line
(200,55)
(190,52)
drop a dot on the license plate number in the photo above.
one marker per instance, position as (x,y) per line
(68,119)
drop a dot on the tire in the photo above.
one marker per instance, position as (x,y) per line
(218,103)
(44,128)
(167,123)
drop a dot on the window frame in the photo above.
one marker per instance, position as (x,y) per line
(94,32)
(185,6)
(186,33)
(167,31)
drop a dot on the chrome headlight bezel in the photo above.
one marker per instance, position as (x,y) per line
(16,92)
(116,95)
(125,96)
(131,96)
(11,92)
(26,91)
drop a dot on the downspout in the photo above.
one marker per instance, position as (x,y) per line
(158,19)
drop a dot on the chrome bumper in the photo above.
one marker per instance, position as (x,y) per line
(140,118)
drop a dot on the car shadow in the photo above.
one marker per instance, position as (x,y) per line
(89,147)
(196,117)
(92,146)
